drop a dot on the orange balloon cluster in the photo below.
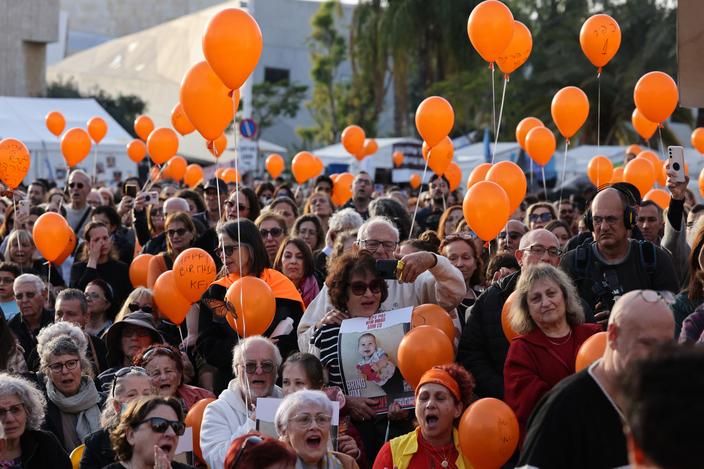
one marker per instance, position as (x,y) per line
(353,140)
(440,156)
(569,109)
(478,174)
(488,433)
(139,270)
(518,50)
(641,173)
(193,175)
(643,126)
(509,333)
(55,122)
(434,119)
(97,128)
(397,158)
(136,150)
(175,168)
(659,196)
(701,183)
(600,170)
(486,208)
(75,146)
(490,28)
(526,125)
(218,146)
(194,419)
(453,174)
(656,96)
(415,181)
(14,162)
(51,234)
(540,144)
(275,165)
(600,39)
(254,311)
(230,175)
(162,144)
(169,299)
(422,348)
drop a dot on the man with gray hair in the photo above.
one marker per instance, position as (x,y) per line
(29,294)
(579,423)
(341,221)
(421,277)
(255,364)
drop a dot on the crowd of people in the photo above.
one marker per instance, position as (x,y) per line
(90,367)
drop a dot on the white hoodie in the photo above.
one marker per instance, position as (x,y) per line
(224,420)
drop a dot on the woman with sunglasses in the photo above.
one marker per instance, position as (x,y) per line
(165,364)
(139,299)
(272,229)
(98,260)
(148,433)
(540,214)
(129,383)
(243,202)
(460,250)
(180,235)
(99,298)
(243,253)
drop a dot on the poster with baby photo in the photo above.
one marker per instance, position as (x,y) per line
(266,410)
(368,350)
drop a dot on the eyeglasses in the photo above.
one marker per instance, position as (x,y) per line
(373,244)
(77,185)
(248,442)
(610,220)
(459,236)
(228,250)
(176,232)
(14,410)
(546,216)
(274,232)
(160,425)
(29,295)
(122,372)
(251,367)
(69,364)
(7,280)
(93,296)
(305,420)
(360,288)
(541,250)
(135,307)
(653,296)
(513,235)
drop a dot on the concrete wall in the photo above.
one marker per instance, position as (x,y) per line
(25,29)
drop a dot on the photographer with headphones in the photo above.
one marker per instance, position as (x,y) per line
(613,264)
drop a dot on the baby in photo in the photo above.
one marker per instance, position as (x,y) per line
(375,365)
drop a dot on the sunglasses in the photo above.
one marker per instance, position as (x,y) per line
(178,232)
(160,425)
(249,442)
(251,367)
(513,235)
(77,185)
(547,216)
(274,232)
(360,288)
(122,372)
(133,307)
(228,250)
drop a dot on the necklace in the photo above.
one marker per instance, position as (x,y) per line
(560,342)
(439,454)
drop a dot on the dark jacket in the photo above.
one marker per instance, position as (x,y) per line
(483,345)
(114,272)
(41,450)
(26,337)
(98,452)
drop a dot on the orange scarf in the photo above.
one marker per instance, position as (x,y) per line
(280,285)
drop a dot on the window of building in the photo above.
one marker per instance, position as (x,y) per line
(273,75)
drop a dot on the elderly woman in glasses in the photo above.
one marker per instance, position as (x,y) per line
(548,316)
(255,364)
(22,408)
(303,421)
(164,364)
(148,433)
(73,402)
(129,383)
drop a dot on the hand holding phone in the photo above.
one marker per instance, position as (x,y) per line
(386,268)
(676,162)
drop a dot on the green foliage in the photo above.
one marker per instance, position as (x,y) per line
(273,100)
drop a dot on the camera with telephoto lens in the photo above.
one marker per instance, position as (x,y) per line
(608,290)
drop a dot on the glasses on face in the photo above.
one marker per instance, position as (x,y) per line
(93,296)
(360,288)
(122,372)
(76,185)
(248,443)
(460,236)
(610,220)
(274,232)
(29,295)
(14,410)
(136,307)
(512,235)
(373,244)
(653,296)
(7,280)
(541,250)
(251,367)
(306,420)
(160,425)
(70,365)
(177,232)
(546,216)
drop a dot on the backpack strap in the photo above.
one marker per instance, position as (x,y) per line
(648,256)
(582,259)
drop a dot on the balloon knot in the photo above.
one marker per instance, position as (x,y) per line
(598,72)
(661,126)
(491,66)
(506,78)
(231,93)
(486,244)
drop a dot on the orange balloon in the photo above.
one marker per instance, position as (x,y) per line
(303,166)
(68,249)
(397,158)
(232,45)
(353,139)
(318,166)
(698,139)
(75,146)
(218,146)
(194,419)
(569,109)
(600,170)
(656,96)
(490,29)
(230,175)
(254,311)
(540,145)
(218,173)
(139,269)
(274,165)
(478,174)
(525,126)
(342,189)
(660,176)
(617,175)
(512,180)
(590,351)
(643,126)
(97,128)
(14,162)
(486,208)
(193,175)
(641,173)
(162,144)
(425,150)
(206,101)
(633,150)
(136,150)
(434,119)
(509,333)
(51,234)
(414,181)
(143,126)
(701,183)
(430,314)
(179,120)
(370,147)
(518,50)
(422,348)
(659,196)
(55,122)
(169,299)
(600,38)
(194,271)
(488,433)
(175,168)
(440,156)
(453,173)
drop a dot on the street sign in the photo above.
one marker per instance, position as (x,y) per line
(247,154)
(248,128)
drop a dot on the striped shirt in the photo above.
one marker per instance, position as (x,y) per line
(326,340)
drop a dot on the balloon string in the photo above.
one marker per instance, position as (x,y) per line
(14,209)
(564,169)
(149,183)
(531,173)
(662,145)
(598,112)
(48,280)
(237,202)
(95,165)
(493,104)
(545,184)
(501,112)
(420,191)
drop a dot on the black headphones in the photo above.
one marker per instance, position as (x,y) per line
(630,215)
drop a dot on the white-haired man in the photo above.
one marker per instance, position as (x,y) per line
(29,294)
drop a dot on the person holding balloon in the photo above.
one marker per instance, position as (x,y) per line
(442,394)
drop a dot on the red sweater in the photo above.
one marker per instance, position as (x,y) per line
(534,365)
